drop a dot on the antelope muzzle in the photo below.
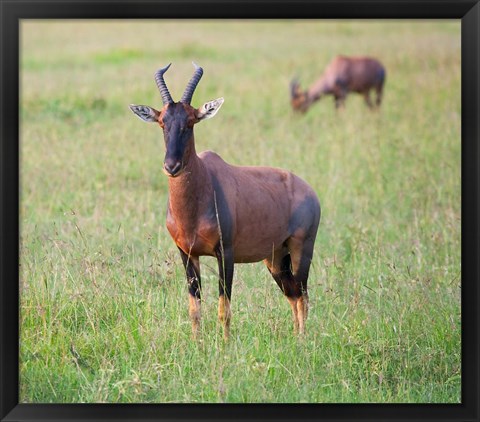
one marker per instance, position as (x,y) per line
(172,167)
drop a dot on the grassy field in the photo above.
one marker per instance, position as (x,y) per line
(104,313)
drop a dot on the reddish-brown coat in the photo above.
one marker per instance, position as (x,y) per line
(260,199)
(234,213)
(343,75)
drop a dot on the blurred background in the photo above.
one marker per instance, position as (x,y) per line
(103,295)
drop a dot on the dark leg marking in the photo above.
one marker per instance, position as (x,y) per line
(280,267)
(301,251)
(192,269)
(225,271)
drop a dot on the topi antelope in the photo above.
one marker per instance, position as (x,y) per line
(342,75)
(236,214)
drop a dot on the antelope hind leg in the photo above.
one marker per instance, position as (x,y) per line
(368,100)
(301,252)
(280,269)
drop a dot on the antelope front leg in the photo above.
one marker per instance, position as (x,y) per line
(225,270)
(192,268)
(299,307)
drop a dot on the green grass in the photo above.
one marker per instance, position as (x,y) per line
(103,295)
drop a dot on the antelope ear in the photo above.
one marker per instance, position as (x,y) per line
(147,114)
(209,109)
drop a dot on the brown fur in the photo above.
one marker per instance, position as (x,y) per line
(236,214)
(343,75)
(262,201)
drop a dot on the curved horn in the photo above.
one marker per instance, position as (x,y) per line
(189,90)
(166,97)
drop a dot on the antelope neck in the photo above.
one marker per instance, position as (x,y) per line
(189,189)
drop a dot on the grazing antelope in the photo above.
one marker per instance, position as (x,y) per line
(236,214)
(342,75)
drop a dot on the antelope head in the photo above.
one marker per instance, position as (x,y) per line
(298,98)
(177,120)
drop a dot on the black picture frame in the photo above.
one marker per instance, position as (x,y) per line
(12,11)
